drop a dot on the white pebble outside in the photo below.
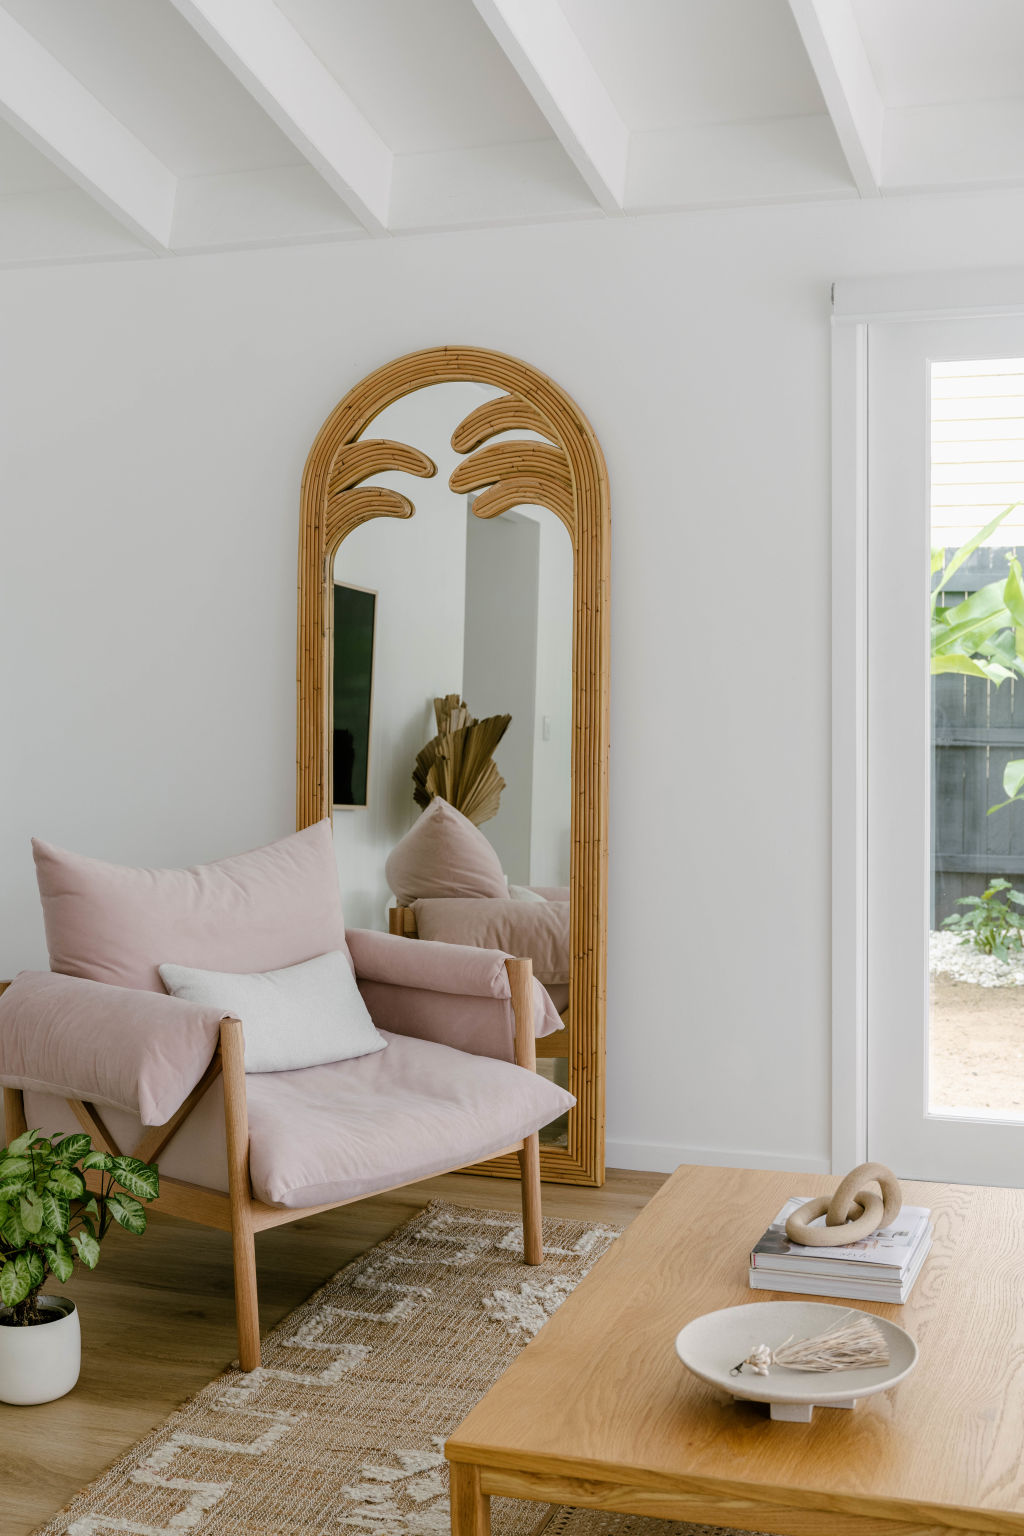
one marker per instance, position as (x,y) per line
(947,956)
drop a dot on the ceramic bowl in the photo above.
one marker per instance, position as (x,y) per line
(711,1345)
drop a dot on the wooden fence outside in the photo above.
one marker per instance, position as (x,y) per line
(977,729)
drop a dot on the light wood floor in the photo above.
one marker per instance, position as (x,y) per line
(158,1323)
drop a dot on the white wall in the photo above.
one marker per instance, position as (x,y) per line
(418,568)
(156,416)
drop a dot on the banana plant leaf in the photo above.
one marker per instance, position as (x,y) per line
(967,550)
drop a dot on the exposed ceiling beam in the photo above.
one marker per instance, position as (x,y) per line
(836,50)
(65,122)
(262,49)
(549,58)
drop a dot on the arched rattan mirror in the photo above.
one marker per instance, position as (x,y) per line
(522,445)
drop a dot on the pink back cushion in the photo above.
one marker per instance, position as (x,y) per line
(259,911)
(444,854)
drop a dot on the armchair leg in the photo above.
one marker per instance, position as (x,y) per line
(243,1236)
(520,977)
(15,1123)
(529,1173)
(247,1311)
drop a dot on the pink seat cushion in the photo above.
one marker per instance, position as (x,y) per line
(345,1130)
(444,854)
(258,911)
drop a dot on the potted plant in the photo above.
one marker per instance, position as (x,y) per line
(49,1220)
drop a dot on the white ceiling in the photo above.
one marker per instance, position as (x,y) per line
(930,52)
(156,127)
(700,61)
(427,75)
(24,169)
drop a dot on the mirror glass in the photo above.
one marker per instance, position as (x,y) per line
(446,606)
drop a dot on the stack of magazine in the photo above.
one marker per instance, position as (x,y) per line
(882,1267)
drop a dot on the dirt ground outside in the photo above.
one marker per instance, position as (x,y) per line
(977,1047)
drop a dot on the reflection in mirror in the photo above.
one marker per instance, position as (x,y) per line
(354,622)
(481,609)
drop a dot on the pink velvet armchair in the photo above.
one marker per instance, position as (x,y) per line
(95,1043)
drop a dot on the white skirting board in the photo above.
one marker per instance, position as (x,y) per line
(665,1157)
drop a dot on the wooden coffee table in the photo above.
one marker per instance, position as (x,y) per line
(598,1412)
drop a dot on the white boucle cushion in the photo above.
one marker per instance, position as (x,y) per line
(301,1016)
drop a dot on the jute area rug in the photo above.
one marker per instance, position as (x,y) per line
(341,1429)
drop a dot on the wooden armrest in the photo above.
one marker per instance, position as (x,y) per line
(402,923)
(520,980)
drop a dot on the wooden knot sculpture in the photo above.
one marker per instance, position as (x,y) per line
(848,1216)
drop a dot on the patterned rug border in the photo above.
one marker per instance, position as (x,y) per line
(136,1450)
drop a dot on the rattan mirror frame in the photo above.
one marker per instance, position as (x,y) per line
(567,474)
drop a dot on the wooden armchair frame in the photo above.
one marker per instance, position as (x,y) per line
(238,1211)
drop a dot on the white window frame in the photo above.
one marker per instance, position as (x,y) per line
(856,304)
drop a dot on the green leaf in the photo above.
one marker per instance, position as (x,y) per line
(101,1160)
(15,1168)
(1013,594)
(13,1229)
(15,1281)
(88,1249)
(128,1213)
(65,1181)
(61,1260)
(21,1143)
(1003,648)
(36,1268)
(968,668)
(976,609)
(72,1147)
(56,1211)
(31,1211)
(966,550)
(137,1177)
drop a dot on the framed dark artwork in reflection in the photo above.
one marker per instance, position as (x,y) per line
(355,617)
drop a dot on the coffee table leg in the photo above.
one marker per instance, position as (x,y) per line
(471,1507)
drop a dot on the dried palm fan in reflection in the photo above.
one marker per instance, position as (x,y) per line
(458,764)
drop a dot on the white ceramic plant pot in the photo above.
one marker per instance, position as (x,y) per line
(42,1362)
